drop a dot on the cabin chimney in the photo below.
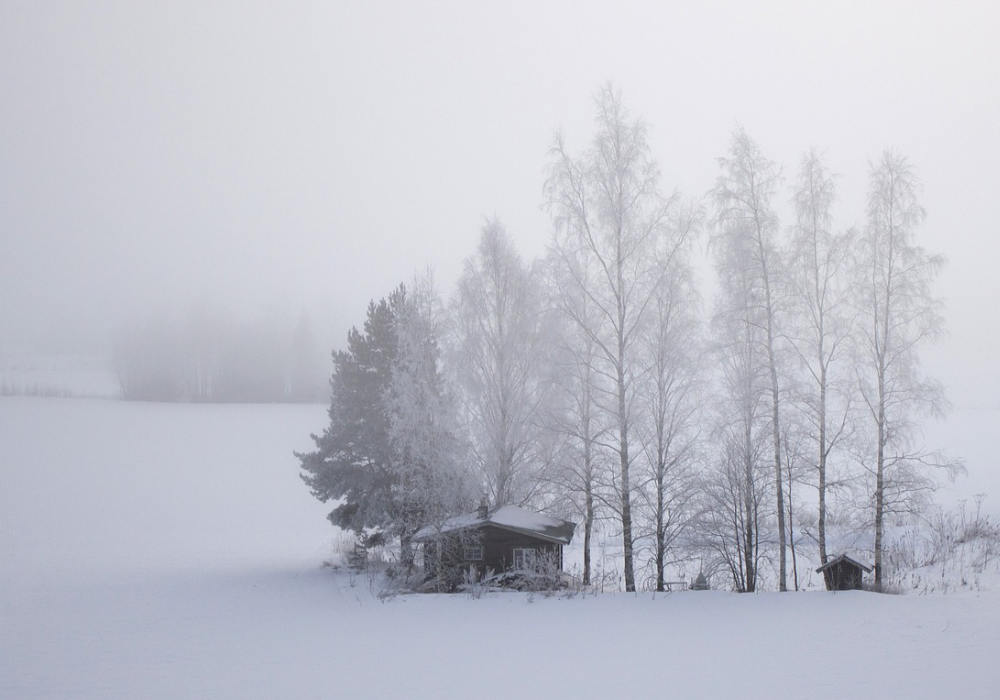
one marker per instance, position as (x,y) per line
(483,510)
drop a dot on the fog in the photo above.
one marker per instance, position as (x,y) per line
(198,200)
(272,161)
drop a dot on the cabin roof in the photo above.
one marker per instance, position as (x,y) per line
(843,558)
(512,518)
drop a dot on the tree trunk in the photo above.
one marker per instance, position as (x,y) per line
(588,523)
(626,489)
(779,495)
(776,433)
(791,528)
(626,496)
(880,456)
(822,465)
(588,466)
(776,427)
(660,545)
(748,548)
(588,526)
(879,494)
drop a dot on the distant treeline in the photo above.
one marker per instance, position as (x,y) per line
(13,388)
(215,358)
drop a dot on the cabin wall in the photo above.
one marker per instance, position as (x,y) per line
(498,550)
(843,577)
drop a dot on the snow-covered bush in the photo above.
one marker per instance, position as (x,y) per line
(947,550)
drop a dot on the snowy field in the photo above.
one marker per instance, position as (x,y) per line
(26,374)
(170,551)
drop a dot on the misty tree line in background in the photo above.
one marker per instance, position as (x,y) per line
(592,383)
(208,356)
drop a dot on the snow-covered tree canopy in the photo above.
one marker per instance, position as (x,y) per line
(390,455)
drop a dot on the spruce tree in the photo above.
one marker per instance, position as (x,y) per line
(353,460)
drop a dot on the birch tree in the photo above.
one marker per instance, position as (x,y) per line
(735,490)
(899,314)
(744,217)
(613,218)
(576,383)
(821,319)
(732,517)
(498,331)
(670,351)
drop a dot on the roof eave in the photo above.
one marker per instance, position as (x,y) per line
(843,557)
(531,533)
(488,523)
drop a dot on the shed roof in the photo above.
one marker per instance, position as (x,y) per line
(512,518)
(842,558)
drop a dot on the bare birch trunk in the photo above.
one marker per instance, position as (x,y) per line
(748,547)
(660,541)
(775,414)
(822,464)
(626,498)
(791,527)
(588,527)
(588,486)
(881,350)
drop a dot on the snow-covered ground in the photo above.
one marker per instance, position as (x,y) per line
(170,551)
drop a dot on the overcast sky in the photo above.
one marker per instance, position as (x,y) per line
(282,156)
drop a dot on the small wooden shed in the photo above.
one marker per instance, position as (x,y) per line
(843,573)
(507,538)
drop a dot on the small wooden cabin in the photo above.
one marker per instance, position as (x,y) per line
(700,582)
(843,573)
(505,539)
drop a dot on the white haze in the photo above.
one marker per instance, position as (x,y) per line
(270,158)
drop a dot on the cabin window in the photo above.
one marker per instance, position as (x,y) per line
(473,552)
(524,557)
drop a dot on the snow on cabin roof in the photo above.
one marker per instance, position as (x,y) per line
(511,518)
(840,558)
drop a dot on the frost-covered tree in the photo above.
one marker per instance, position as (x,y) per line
(821,322)
(732,521)
(898,314)
(353,463)
(733,498)
(429,457)
(391,454)
(613,230)
(745,218)
(498,331)
(574,413)
(670,353)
